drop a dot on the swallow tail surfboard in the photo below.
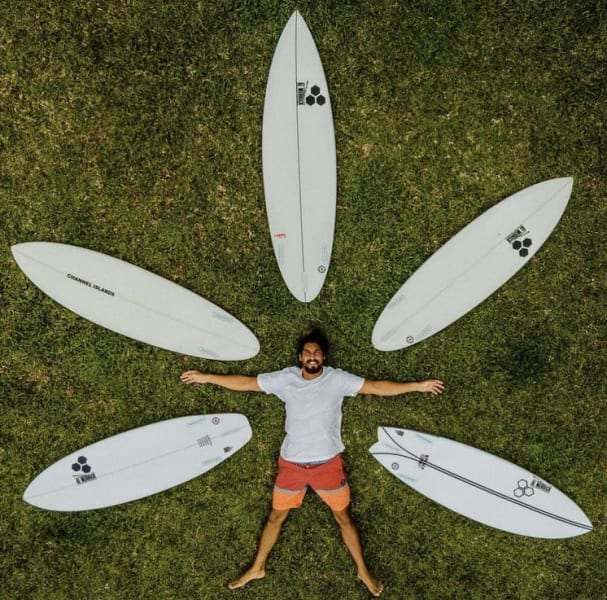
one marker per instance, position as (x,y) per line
(479,485)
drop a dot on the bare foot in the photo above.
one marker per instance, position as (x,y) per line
(374,586)
(249,575)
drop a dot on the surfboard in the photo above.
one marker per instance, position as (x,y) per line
(472,265)
(479,485)
(138,463)
(134,302)
(299,163)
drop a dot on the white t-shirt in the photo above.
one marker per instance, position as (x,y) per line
(313,407)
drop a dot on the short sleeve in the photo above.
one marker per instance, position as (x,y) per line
(271,383)
(351,383)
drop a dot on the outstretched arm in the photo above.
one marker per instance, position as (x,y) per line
(237,383)
(395,388)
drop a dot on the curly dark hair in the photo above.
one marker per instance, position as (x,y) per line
(313,334)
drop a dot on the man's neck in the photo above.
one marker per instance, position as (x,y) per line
(309,376)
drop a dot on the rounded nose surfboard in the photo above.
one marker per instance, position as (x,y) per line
(134,302)
(299,163)
(479,485)
(472,265)
(138,463)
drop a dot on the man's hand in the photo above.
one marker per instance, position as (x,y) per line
(190,377)
(434,386)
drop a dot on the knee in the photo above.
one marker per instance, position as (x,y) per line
(343,517)
(277,517)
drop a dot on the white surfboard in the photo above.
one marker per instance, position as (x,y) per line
(472,265)
(299,164)
(134,302)
(138,463)
(479,485)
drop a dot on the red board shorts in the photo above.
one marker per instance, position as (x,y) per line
(327,479)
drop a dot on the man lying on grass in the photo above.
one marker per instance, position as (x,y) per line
(311,454)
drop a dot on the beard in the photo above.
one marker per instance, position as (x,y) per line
(312,367)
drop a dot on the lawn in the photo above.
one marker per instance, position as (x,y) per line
(134,129)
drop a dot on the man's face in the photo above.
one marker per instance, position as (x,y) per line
(311,358)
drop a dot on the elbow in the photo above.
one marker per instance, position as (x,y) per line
(373,388)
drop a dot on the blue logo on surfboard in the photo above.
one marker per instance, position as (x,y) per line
(81,465)
(83,472)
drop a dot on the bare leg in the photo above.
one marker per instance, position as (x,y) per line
(269,536)
(349,534)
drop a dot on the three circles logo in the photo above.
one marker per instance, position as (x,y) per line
(314,97)
(523,489)
(519,241)
(422,461)
(522,247)
(82,470)
(81,464)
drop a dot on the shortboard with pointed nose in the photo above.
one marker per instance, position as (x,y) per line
(138,463)
(299,162)
(479,485)
(472,265)
(134,302)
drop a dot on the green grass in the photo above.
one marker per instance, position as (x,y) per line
(134,129)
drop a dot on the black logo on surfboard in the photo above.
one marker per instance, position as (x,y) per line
(519,241)
(83,472)
(91,285)
(311,98)
(522,247)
